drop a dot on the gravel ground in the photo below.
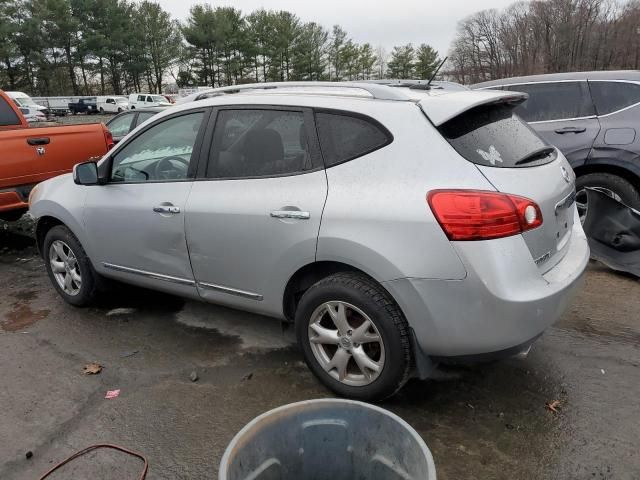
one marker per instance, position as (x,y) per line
(482,422)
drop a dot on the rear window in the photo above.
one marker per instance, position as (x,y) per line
(494,136)
(7,115)
(345,137)
(612,96)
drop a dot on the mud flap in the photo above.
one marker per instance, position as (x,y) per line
(424,366)
(613,230)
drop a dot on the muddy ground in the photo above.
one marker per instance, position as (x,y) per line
(480,422)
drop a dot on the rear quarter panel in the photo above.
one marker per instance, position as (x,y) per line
(618,143)
(377,218)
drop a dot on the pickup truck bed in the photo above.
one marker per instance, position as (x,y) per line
(30,155)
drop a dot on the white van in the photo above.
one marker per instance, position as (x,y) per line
(23,100)
(112,104)
(141,100)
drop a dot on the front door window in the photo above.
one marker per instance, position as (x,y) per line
(162,153)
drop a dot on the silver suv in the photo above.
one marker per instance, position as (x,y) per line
(392,226)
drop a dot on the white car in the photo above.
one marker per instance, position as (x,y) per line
(112,104)
(23,100)
(32,115)
(140,100)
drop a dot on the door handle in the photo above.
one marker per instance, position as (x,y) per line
(297,214)
(166,209)
(564,130)
(38,141)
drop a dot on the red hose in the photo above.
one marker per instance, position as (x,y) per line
(95,447)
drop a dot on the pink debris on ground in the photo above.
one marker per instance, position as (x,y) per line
(112,393)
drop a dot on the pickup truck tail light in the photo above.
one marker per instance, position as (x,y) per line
(482,215)
(108,137)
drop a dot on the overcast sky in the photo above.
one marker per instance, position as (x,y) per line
(386,22)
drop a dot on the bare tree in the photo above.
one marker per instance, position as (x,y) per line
(544,36)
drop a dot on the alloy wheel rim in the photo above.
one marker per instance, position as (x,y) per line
(581,200)
(346,343)
(65,268)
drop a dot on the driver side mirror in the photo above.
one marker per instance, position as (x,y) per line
(86,173)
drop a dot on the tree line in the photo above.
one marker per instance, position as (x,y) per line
(546,36)
(84,47)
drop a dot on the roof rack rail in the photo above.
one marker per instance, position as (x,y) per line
(378,92)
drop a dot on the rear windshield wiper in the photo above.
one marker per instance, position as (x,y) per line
(536,155)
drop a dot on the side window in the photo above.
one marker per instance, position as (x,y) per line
(612,96)
(7,115)
(553,101)
(143,117)
(162,153)
(149,99)
(345,137)
(254,143)
(141,98)
(111,100)
(121,125)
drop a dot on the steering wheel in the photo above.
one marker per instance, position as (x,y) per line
(165,169)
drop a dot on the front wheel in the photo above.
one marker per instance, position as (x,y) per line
(354,337)
(69,268)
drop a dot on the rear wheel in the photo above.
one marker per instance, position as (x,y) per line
(615,186)
(101,110)
(354,337)
(69,268)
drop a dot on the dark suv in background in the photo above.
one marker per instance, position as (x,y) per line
(594,119)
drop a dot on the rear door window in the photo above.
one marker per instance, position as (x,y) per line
(554,101)
(256,143)
(494,136)
(344,137)
(612,96)
(121,125)
(7,114)
(144,116)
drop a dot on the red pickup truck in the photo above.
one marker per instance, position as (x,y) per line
(30,155)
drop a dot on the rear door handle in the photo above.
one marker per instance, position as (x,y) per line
(38,141)
(564,130)
(297,214)
(166,209)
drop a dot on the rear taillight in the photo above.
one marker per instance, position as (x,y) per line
(109,139)
(480,215)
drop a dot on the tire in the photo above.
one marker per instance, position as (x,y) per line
(101,111)
(362,298)
(133,108)
(12,215)
(616,185)
(87,290)
(119,110)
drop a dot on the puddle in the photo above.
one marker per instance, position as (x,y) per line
(255,331)
(25,295)
(22,317)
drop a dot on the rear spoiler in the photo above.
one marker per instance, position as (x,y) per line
(442,108)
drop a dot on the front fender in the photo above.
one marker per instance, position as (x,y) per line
(62,199)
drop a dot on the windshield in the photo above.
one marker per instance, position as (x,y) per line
(159,98)
(25,102)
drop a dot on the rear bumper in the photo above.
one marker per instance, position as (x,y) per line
(504,302)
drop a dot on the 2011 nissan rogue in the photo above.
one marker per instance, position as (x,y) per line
(391,225)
